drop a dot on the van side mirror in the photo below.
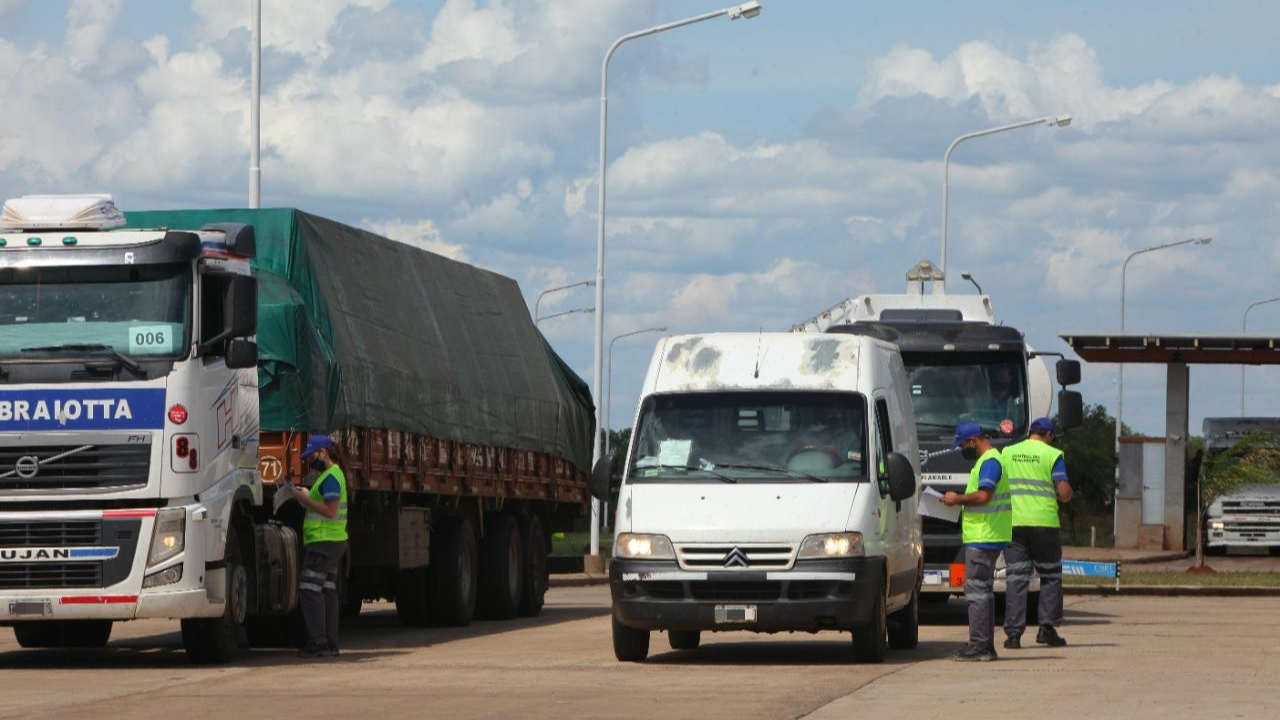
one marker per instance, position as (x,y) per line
(241,354)
(902,477)
(242,307)
(1070,409)
(602,477)
(1068,372)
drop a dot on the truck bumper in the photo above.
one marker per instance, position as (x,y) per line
(949,579)
(813,595)
(1245,534)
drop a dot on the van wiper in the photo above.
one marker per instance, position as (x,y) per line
(705,467)
(133,365)
(774,468)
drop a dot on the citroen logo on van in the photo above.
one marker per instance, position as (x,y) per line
(736,557)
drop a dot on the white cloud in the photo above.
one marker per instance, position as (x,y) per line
(285,26)
(419,233)
(461,31)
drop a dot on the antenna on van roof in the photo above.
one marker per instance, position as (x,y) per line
(759,343)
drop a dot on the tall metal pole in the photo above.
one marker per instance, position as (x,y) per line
(255,102)
(746,10)
(1050,120)
(608,396)
(1124,269)
(1244,325)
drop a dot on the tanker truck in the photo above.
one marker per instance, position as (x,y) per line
(160,373)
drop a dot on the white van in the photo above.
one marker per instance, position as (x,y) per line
(770,486)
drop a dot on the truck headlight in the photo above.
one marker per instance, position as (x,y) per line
(170,535)
(831,545)
(1216,525)
(633,546)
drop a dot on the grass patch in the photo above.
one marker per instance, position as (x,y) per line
(1177,577)
(579,543)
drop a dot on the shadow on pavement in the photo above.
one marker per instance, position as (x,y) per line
(825,649)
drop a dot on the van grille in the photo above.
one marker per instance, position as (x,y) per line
(713,557)
(74,467)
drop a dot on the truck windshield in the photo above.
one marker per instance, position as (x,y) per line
(751,437)
(950,388)
(139,311)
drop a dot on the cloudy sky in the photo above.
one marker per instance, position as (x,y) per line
(759,171)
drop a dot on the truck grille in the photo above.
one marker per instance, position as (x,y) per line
(50,534)
(713,557)
(17,576)
(1251,507)
(74,467)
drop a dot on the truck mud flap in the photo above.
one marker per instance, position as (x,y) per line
(276,554)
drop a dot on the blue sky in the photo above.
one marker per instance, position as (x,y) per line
(759,171)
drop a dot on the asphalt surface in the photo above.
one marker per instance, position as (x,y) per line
(1128,657)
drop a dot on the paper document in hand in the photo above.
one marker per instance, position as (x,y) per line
(931,506)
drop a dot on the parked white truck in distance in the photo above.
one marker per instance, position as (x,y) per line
(1249,518)
(770,485)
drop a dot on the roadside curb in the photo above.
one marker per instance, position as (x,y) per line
(577,580)
(1172,591)
(1139,560)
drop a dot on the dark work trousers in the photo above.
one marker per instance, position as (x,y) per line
(979,593)
(319,592)
(1039,548)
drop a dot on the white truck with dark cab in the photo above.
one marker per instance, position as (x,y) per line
(770,486)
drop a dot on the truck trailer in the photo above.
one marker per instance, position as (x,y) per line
(159,375)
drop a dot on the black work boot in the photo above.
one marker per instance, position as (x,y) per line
(1013,641)
(332,651)
(970,653)
(1048,635)
(310,651)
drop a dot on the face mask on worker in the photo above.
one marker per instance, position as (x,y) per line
(318,465)
(968,452)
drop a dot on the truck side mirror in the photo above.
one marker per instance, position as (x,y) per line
(1068,372)
(242,307)
(602,477)
(902,477)
(242,354)
(1070,409)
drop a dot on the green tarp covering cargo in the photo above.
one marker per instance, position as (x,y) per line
(355,329)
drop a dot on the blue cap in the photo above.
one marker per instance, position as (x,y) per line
(966,431)
(1041,426)
(316,442)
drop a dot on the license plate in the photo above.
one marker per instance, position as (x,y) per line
(735,614)
(933,577)
(30,608)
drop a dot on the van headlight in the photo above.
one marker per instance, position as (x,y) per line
(831,545)
(634,546)
(169,537)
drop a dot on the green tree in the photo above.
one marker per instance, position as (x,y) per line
(1253,460)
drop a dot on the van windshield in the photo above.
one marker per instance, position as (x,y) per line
(751,437)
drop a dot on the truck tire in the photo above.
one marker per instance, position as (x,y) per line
(84,633)
(871,641)
(349,601)
(413,605)
(218,640)
(536,577)
(904,625)
(684,639)
(37,634)
(629,644)
(502,569)
(455,562)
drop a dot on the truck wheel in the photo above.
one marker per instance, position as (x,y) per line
(218,640)
(684,639)
(454,565)
(536,578)
(904,625)
(37,634)
(502,569)
(629,644)
(412,604)
(84,633)
(349,601)
(871,641)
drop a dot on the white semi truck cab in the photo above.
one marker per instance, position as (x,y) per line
(1249,518)
(129,431)
(770,485)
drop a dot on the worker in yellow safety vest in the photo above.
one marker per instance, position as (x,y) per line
(986,528)
(324,537)
(1037,483)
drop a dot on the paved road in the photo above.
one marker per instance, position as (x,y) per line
(1130,657)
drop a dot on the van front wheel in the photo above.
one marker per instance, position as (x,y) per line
(629,644)
(871,641)
(904,625)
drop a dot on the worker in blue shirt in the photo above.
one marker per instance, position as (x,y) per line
(986,528)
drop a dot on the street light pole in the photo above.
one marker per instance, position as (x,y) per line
(746,10)
(1244,325)
(1050,120)
(544,293)
(608,396)
(255,104)
(969,277)
(566,312)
